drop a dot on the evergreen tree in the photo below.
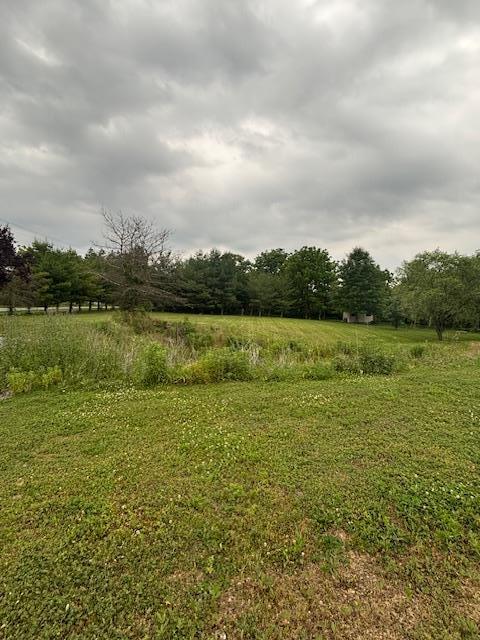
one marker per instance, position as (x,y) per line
(362,284)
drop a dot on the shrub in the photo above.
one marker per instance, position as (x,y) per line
(25,381)
(318,371)
(139,321)
(51,377)
(367,359)
(21,381)
(222,364)
(417,351)
(375,361)
(151,365)
(347,363)
(283,347)
(185,333)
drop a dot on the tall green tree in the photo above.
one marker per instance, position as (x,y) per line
(215,282)
(441,289)
(272,261)
(311,274)
(269,293)
(362,284)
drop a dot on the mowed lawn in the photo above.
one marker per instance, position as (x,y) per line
(342,509)
(313,331)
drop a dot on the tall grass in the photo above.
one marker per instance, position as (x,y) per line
(37,353)
(80,350)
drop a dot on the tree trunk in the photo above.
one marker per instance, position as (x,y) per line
(70,307)
(89,305)
(98,305)
(439,331)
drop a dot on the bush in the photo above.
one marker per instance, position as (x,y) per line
(375,361)
(221,364)
(418,351)
(347,363)
(139,321)
(151,366)
(367,359)
(185,333)
(25,381)
(317,371)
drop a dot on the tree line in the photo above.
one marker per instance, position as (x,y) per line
(136,269)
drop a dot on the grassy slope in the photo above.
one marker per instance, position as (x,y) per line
(337,509)
(308,331)
(313,331)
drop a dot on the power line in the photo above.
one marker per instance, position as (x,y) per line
(34,233)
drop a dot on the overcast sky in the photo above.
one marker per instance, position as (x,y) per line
(244,125)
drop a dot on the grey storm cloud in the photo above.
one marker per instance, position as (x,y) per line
(244,125)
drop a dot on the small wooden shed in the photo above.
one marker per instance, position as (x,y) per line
(361,318)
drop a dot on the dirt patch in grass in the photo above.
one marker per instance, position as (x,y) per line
(469,602)
(474,349)
(355,603)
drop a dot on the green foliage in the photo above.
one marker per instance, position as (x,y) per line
(186,333)
(417,351)
(347,363)
(214,281)
(151,368)
(374,360)
(363,285)
(317,371)
(311,274)
(441,289)
(221,364)
(368,358)
(83,353)
(26,381)
(109,352)
(271,262)
(138,320)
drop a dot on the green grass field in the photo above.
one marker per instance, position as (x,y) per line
(346,508)
(314,331)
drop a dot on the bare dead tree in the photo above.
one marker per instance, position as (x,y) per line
(138,261)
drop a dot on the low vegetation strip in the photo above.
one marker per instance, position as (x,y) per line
(146,350)
(345,508)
